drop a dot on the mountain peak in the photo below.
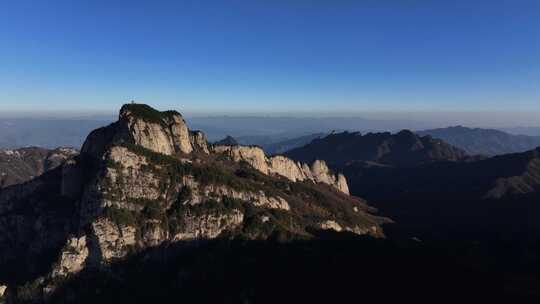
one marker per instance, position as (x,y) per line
(167,133)
(228,141)
(146,112)
(162,132)
(406,132)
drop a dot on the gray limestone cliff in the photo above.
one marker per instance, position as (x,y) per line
(162,132)
(167,133)
(317,172)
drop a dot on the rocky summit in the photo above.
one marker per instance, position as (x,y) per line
(148,180)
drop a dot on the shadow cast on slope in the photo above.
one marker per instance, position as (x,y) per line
(337,268)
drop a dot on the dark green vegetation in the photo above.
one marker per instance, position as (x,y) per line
(148,113)
(121,216)
(339,268)
(206,174)
(484,141)
(179,213)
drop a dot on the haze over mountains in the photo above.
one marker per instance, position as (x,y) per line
(274,134)
(46,133)
(146,191)
(484,141)
(530,131)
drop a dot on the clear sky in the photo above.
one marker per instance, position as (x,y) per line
(271,55)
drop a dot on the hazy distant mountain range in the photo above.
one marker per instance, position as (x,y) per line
(484,141)
(288,127)
(263,131)
(278,144)
(227,141)
(530,131)
(274,134)
(46,133)
(474,141)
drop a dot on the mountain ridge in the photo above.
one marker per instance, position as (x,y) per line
(404,148)
(488,142)
(147,180)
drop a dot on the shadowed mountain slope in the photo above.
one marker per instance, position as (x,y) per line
(21,165)
(486,199)
(432,189)
(401,149)
(333,270)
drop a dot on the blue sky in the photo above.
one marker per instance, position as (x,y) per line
(271,55)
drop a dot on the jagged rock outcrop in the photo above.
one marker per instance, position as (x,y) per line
(333,225)
(295,171)
(72,258)
(2,290)
(136,184)
(113,239)
(167,133)
(162,132)
(250,154)
(153,136)
(199,141)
